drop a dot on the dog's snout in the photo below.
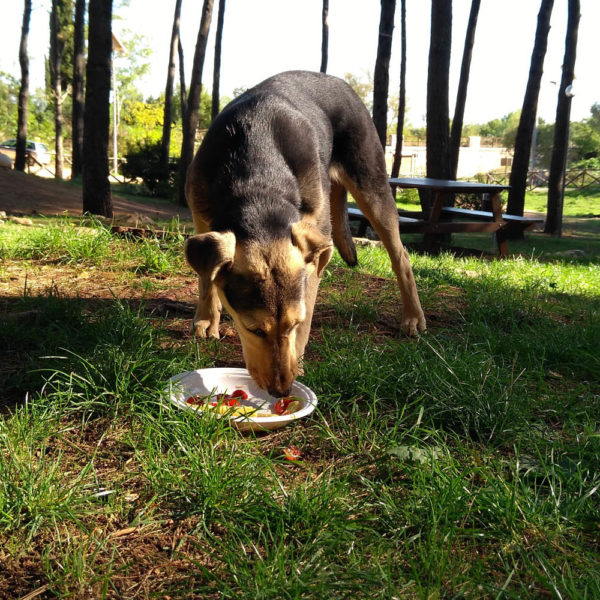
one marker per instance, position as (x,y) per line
(278,392)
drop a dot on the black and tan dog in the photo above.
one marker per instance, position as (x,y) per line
(267,190)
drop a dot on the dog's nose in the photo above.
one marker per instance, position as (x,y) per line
(279,392)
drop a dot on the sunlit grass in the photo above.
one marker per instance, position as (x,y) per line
(462,463)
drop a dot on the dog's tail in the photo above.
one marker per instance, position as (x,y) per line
(341,234)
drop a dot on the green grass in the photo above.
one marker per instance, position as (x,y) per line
(577,203)
(460,464)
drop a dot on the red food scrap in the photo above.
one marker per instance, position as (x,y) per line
(282,404)
(292,453)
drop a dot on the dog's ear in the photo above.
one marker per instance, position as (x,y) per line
(313,245)
(208,253)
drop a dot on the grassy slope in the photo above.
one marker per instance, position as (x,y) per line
(464,463)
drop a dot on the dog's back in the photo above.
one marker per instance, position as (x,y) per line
(268,158)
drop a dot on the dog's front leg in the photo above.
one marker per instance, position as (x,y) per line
(381,211)
(303,331)
(208,312)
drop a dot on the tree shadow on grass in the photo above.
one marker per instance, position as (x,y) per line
(43,334)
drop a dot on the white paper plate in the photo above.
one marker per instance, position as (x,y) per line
(226,380)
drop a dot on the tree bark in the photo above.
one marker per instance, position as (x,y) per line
(402,96)
(21,148)
(438,135)
(168,109)
(463,84)
(78,71)
(190,121)
(324,36)
(182,86)
(558,162)
(217,63)
(520,165)
(381,78)
(97,197)
(56,52)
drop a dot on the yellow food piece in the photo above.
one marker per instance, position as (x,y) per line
(264,413)
(243,410)
(294,406)
(222,409)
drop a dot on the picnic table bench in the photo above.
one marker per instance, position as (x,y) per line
(441,219)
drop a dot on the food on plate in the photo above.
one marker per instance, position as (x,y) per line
(195,400)
(229,404)
(243,411)
(288,405)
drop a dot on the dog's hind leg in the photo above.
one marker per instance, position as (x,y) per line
(377,204)
(340,229)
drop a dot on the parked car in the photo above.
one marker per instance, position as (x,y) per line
(36,151)
(5,161)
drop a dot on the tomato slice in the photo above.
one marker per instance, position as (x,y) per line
(282,404)
(240,395)
(292,453)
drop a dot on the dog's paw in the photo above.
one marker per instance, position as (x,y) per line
(204,329)
(413,325)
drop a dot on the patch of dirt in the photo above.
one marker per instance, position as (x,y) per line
(24,194)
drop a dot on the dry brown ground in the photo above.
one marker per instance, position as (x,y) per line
(24,194)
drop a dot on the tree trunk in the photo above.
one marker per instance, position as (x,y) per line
(168,111)
(402,97)
(520,165)
(325,36)
(438,135)
(56,52)
(97,197)
(78,69)
(463,84)
(190,120)
(182,87)
(20,150)
(217,64)
(558,162)
(381,78)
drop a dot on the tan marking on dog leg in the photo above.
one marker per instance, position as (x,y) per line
(208,309)
(208,313)
(303,331)
(380,209)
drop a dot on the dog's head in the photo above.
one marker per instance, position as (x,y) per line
(262,284)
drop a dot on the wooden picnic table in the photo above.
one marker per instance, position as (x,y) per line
(441,219)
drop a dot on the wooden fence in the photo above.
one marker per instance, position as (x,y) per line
(575,178)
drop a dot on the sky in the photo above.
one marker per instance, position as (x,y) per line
(264,37)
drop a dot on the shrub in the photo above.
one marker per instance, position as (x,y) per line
(142,161)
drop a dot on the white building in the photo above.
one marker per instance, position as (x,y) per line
(472,159)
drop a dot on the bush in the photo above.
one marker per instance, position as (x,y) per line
(592,164)
(142,161)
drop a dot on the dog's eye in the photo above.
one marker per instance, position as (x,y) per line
(258,333)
